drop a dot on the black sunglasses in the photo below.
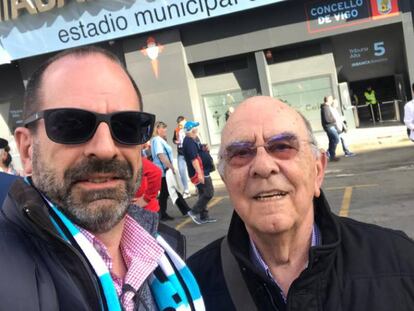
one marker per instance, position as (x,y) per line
(77,126)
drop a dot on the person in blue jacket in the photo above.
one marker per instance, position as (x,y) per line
(199,166)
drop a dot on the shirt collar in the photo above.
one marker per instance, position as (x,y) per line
(133,237)
(259,263)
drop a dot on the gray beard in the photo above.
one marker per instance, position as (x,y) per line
(97,211)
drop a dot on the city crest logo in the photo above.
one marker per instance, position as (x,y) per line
(384,7)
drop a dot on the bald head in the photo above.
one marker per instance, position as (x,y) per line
(263,116)
(254,105)
(33,93)
(260,109)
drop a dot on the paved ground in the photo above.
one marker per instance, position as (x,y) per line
(376,186)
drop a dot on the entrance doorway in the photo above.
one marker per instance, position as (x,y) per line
(385,90)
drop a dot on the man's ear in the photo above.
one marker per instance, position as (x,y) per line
(320,168)
(24,141)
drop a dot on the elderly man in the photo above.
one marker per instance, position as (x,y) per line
(70,240)
(285,249)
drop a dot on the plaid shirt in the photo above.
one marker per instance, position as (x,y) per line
(140,252)
(316,239)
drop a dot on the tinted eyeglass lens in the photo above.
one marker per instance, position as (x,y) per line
(241,153)
(131,127)
(69,126)
(283,148)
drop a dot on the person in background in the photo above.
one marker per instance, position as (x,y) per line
(285,249)
(163,157)
(6,159)
(3,154)
(3,143)
(409,116)
(178,139)
(70,237)
(329,125)
(371,100)
(146,195)
(341,127)
(199,165)
(146,151)
(229,112)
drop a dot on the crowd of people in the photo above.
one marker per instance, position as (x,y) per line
(79,231)
(162,178)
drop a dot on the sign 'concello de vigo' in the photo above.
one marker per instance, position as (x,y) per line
(325,15)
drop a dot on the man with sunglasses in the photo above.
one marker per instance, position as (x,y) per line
(70,238)
(285,249)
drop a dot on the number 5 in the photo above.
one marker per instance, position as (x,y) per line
(379,48)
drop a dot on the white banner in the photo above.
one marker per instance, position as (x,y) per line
(32,27)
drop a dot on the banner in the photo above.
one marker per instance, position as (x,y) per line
(32,27)
(328,15)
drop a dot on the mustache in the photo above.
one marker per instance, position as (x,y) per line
(86,168)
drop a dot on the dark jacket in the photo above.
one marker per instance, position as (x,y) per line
(40,271)
(193,149)
(327,117)
(358,267)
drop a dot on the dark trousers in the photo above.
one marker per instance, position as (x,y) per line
(163,197)
(333,138)
(374,112)
(205,194)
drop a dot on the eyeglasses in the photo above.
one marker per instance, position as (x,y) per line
(282,146)
(77,126)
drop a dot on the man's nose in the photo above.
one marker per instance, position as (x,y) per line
(101,145)
(264,164)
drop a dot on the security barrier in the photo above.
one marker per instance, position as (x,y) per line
(387,110)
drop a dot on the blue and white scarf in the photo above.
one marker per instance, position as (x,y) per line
(172,283)
(169,290)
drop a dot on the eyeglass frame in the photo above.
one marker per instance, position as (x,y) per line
(100,117)
(281,136)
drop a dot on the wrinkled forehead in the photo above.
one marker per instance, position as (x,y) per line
(259,123)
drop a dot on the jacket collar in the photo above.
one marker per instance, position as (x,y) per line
(27,204)
(327,222)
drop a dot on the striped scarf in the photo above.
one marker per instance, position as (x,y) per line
(172,284)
